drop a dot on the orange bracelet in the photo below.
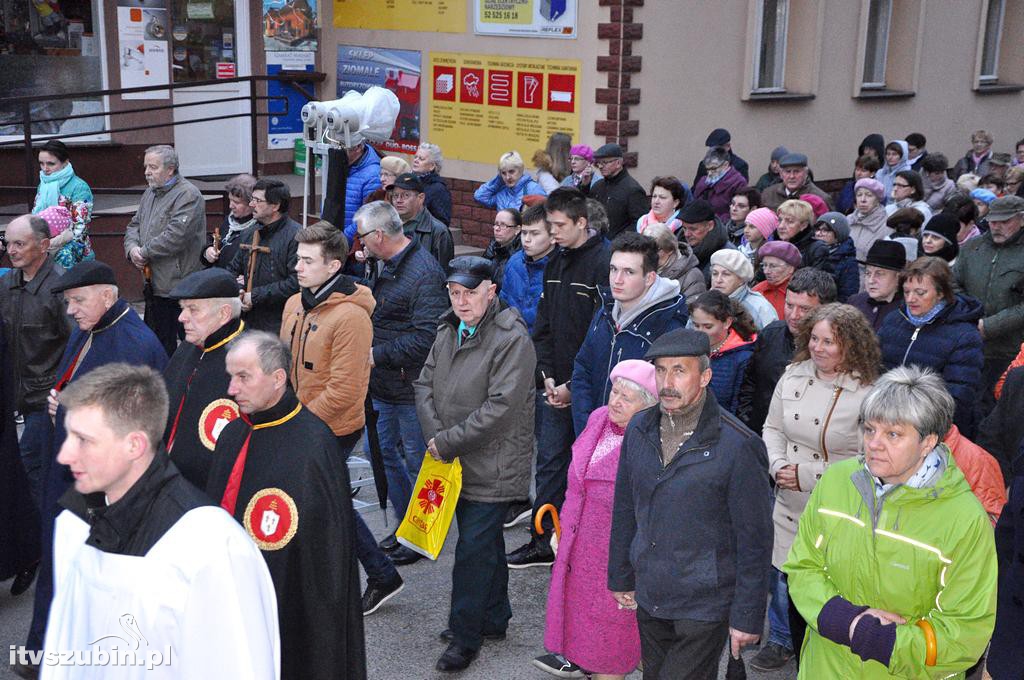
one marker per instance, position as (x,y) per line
(931,646)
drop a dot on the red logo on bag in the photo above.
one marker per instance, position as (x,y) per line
(431,495)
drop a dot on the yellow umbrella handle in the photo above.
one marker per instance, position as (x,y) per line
(930,644)
(543,510)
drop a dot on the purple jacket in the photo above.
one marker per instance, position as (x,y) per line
(721,192)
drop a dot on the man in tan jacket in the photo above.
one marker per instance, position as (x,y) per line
(328,329)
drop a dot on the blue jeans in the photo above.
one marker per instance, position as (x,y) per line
(554,454)
(36,450)
(402,447)
(480,603)
(376,564)
(778,610)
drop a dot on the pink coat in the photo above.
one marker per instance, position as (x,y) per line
(584,623)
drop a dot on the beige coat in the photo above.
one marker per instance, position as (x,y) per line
(811,423)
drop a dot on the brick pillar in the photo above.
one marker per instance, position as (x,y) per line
(621,32)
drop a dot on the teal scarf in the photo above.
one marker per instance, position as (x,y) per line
(927,317)
(48,194)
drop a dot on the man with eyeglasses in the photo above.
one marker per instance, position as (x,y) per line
(410,200)
(621,195)
(796,181)
(273,273)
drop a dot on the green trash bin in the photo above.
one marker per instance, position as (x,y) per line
(299,158)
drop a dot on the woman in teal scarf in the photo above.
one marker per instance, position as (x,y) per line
(59,185)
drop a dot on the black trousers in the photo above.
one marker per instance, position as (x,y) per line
(480,576)
(555,436)
(163,320)
(797,630)
(680,649)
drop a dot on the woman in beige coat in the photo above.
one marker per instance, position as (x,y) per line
(812,420)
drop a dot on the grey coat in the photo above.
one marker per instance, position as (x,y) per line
(477,403)
(170,227)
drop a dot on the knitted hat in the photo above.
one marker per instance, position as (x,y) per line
(837,222)
(735,261)
(764,220)
(872,185)
(583,151)
(945,225)
(639,371)
(57,217)
(983,195)
(784,250)
(817,204)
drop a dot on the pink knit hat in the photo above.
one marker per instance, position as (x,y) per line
(640,372)
(817,204)
(872,185)
(764,219)
(582,150)
(57,217)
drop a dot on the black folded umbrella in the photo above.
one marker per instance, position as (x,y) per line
(380,480)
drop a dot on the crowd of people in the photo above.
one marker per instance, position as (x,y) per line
(752,405)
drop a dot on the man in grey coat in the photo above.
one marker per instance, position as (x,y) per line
(475,402)
(691,538)
(165,238)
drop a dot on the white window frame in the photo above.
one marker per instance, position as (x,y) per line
(871,81)
(781,32)
(993,75)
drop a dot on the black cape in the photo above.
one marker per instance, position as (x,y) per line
(293,501)
(198,375)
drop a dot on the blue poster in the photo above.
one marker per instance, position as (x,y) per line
(284,125)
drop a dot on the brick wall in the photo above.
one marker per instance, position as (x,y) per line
(476,222)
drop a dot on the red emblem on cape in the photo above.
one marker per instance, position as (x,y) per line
(431,495)
(214,418)
(271,518)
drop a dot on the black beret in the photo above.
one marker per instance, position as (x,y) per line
(87,273)
(697,211)
(206,283)
(470,270)
(409,181)
(718,137)
(608,151)
(682,342)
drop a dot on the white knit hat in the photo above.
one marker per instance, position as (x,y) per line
(736,262)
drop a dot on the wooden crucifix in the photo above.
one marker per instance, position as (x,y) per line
(254,250)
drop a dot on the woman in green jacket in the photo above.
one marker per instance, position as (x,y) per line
(894,564)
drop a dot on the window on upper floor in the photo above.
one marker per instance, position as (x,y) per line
(772,25)
(993,33)
(876,48)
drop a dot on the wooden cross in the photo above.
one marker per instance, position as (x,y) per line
(254,249)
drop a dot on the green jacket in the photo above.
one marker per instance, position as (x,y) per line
(921,553)
(995,275)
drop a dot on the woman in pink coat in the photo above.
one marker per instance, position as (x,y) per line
(585,627)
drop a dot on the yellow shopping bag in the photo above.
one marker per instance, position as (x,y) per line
(432,507)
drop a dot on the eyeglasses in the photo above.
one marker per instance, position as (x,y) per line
(364,234)
(712,168)
(257,200)
(499,225)
(822,227)
(606,161)
(771,266)
(403,195)
(901,186)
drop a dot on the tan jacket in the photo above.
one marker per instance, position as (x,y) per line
(811,423)
(330,347)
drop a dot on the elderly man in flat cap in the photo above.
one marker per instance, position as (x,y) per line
(475,401)
(108,330)
(621,195)
(688,463)
(196,377)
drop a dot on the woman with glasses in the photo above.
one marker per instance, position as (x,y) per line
(908,192)
(743,201)
(581,166)
(977,160)
(720,183)
(778,259)
(506,241)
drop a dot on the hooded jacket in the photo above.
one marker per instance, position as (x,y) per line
(935,195)
(925,553)
(495,194)
(522,283)
(873,141)
(887,174)
(949,344)
(845,270)
(686,270)
(615,336)
(761,310)
(728,366)
(330,334)
(994,274)
(866,228)
(439,198)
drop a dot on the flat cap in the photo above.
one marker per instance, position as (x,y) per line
(206,283)
(697,211)
(409,181)
(87,273)
(682,342)
(793,159)
(470,270)
(718,137)
(779,152)
(608,151)
(1005,208)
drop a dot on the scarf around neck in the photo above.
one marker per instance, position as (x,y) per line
(48,194)
(927,317)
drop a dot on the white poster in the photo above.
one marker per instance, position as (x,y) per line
(142,36)
(525,18)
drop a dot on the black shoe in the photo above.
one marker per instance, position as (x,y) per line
(771,657)
(448,636)
(389,543)
(517,512)
(24,579)
(377,594)
(735,670)
(558,665)
(532,554)
(402,556)
(456,658)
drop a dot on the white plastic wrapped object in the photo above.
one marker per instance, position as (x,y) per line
(369,116)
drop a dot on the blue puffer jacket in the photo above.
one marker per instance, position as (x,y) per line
(494,194)
(728,366)
(662,309)
(522,285)
(950,345)
(845,271)
(363,180)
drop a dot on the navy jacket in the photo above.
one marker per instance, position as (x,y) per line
(843,259)
(1006,657)
(439,198)
(693,539)
(727,371)
(773,351)
(410,293)
(813,252)
(1001,433)
(874,311)
(950,345)
(606,345)
(522,283)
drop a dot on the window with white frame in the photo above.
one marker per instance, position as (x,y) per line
(876,47)
(770,58)
(993,35)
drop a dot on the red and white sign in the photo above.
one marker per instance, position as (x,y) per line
(499,88)
(225,69)
(471,86)
(444,83)
(531,90)
(561,92)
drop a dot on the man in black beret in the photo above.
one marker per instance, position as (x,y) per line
(409,199)
(197,380)
(704,233)
(721,137)
(623,198)
(688,462)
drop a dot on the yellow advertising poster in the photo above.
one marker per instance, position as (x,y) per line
(482,105)
(443,16)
